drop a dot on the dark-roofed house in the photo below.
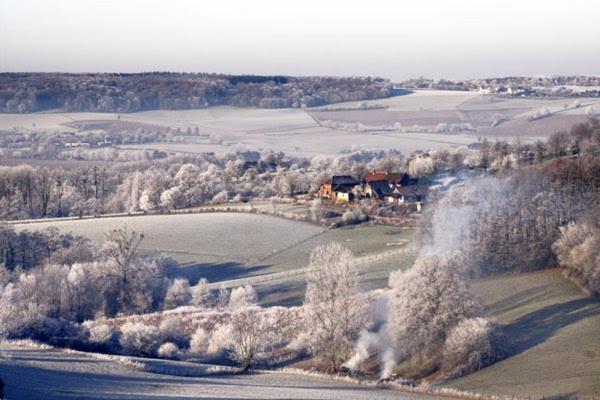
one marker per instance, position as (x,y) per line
(400,179)
(340,188)
(377,189)
(408,195)
(343,182)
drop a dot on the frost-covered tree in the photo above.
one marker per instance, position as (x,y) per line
(168,350)
(139,339)
(426,302)
(178,294)
(200,294)
(334,309)
(468,347)
(199,342)
(578,252)
(316,210)
(242,297)
(247,336)
(421,166)
(222,297)
(120,247)
(188,182)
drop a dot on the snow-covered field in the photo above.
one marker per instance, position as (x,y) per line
(299,132)
(206,237)
(53,374)
(552,335)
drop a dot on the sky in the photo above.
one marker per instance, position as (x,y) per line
(398,39)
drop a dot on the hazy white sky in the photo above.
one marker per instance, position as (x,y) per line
(394,39)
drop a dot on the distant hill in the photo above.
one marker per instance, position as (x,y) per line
(31,92)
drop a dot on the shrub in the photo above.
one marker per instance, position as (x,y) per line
(199,342)
(100,333)
(139,339)
(178,294)
(578,252)
(171,329)
(241,297)
(355,216)
(168,350)
(219,340)
(468,347)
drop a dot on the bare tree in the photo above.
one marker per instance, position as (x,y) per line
(120,247)
(247,333)
(334,310)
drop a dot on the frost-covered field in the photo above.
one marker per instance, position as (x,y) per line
(300,132)
(199,237)
(233,246)
(407,123)
(552,334)
(55,374)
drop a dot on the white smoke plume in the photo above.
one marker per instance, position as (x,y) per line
(450,231)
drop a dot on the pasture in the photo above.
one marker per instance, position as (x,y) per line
(269,252)
(551,333)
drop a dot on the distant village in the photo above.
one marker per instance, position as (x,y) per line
(378,187)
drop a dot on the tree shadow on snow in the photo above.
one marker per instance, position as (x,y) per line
(214,272)
(287,294)
(536,327)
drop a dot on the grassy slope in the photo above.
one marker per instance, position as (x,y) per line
(224,246)
(553,332)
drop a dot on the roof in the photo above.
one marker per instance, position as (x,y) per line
(419,192)
(375,176)
(408,181)
(345,180)
(380,188)
(394,177)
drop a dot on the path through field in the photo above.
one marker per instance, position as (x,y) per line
(54,374)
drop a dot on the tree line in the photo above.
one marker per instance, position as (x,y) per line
(31,92)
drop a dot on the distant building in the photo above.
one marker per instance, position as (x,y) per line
(343,183)
(340,188)
(390,188)
(375,176)
(344,197)
(377,189)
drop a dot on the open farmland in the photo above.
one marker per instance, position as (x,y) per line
(551,333)
(407,123)
(269,252)
(488,115)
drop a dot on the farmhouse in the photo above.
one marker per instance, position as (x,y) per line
(379,187)
(375,176)
(339,188)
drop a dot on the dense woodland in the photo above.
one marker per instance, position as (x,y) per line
(30,92)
